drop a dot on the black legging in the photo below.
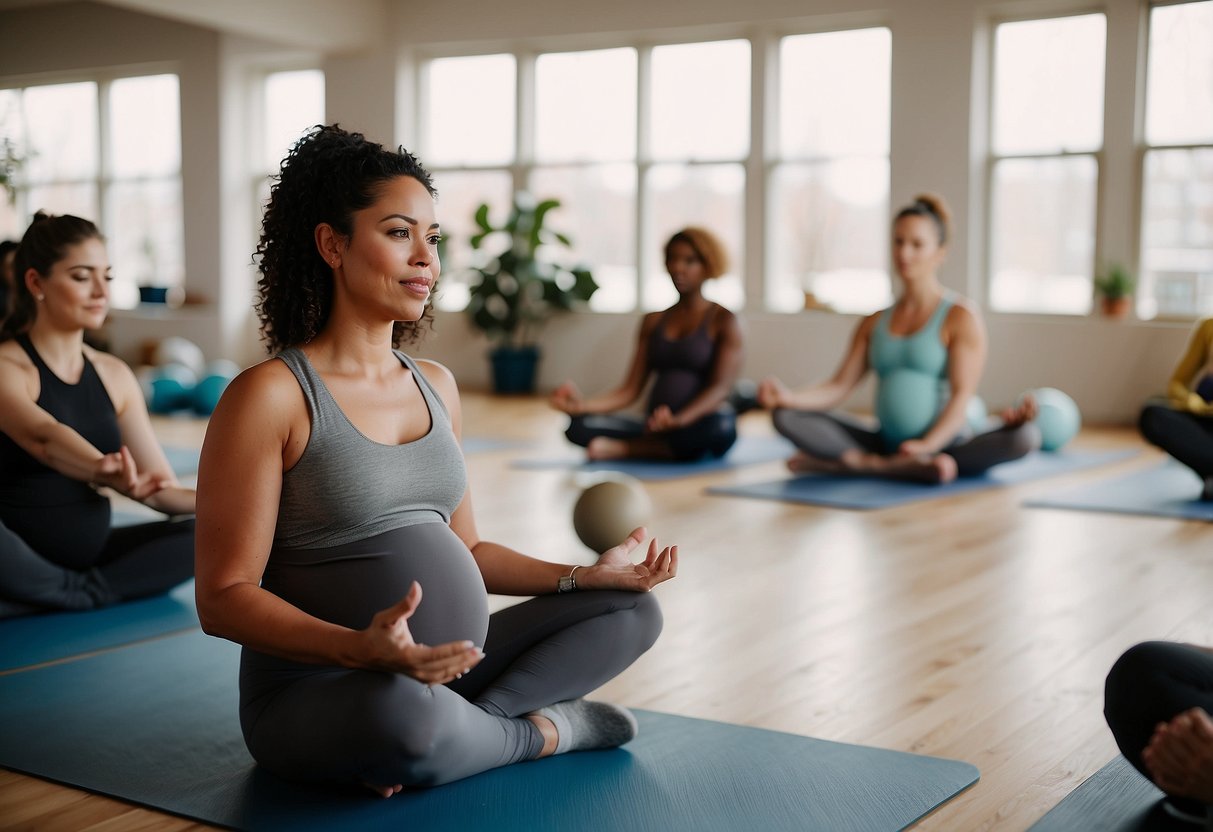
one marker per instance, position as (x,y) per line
(1185,436)
(1154,682)
(712,435)
(827,435)
(136,561)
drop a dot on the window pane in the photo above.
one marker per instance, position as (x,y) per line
(1048,85)
(79,198)
(469,111)
(585,106)
(830,241)
(459,195)
(834,93)
(144,237)
(145,126)
(701,100)
(710,196)
(62,124)
(294,103)
(1179,91)
(598,211)
(1177,234)
(1043,239)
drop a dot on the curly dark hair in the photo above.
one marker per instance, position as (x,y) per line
(328,175)
(44,244)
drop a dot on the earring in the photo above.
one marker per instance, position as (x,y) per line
(41,298)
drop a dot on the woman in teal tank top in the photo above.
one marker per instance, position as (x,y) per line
(928,350)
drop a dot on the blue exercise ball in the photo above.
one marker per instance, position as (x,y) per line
(1058,419)
(171,387)
(211,386)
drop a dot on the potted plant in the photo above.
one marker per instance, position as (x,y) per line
(516,289)
(1115,289)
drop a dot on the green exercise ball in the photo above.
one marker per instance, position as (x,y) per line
(607,512)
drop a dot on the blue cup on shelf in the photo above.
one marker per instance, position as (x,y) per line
(153,294)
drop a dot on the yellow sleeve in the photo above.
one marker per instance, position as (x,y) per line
(1179,391)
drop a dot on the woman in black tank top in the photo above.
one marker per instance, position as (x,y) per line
(332,495)
(693,353)
(71,419)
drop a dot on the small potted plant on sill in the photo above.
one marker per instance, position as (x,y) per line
(515,290)
(1115,289)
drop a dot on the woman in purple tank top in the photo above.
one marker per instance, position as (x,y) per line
(693,352)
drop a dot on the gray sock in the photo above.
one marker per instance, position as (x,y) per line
(583,725)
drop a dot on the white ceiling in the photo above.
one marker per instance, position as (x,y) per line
(324,25)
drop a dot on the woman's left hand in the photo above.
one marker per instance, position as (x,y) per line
(615,570)
(1180,755)
(914,447)
(662,419)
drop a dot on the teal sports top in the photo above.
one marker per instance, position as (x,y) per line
(913,375)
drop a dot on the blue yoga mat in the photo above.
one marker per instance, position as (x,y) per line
(1169,490)
(159,724)
(45,637)
(748,450)
(184,461)
(871,492)
(1114,799)
(484,444)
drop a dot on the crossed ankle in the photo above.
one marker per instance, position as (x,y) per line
(582,725)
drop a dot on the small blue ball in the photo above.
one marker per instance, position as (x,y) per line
(1058,420)
(171,386)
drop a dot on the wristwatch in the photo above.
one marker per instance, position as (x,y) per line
(567,583)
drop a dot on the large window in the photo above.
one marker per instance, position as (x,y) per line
(110,151)
(1048,87)
(1177,176)
(638,142)
(290,104)
(829,195)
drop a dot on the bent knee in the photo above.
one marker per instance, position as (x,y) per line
(649,619)
(1135,672)
(1026,439)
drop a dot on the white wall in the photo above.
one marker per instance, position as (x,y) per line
(937,144)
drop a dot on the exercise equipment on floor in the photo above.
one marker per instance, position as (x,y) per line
(1058,419)
(178,377)
(607,512)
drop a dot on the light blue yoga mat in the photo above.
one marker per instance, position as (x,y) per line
(748,450)
(1169,490)
(45,637)
(1114,799)
(870,492)
(184,461)
(485,444)
(156,723)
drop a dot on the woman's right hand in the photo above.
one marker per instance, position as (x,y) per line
(567,398)
(119,472)
(772,393)
(393,649)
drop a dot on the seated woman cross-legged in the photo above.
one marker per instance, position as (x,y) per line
(928,350)
(693,352)
(1183,425)
(73,418)
(336,540)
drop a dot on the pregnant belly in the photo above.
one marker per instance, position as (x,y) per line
(348,584)
(907,404)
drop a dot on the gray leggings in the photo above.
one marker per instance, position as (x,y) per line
(827,435)
(310,722)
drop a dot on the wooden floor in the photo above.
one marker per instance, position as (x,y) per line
(970,628)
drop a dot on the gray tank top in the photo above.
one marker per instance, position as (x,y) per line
(346,487)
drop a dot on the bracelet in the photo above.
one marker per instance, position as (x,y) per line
(573,578)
